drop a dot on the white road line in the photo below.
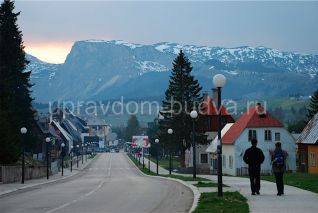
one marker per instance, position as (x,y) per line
(85,195)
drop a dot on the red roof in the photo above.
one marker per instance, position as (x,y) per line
(210,108)
(255,117)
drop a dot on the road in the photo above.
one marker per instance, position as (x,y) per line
(110,184)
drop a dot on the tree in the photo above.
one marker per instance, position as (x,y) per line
(15,99)
(132,127)
(181,96)
(312,108)
(297,126)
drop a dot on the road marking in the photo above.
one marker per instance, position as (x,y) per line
(100,185)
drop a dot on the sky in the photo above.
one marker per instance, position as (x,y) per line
(51,27)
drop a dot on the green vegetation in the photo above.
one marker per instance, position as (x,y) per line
(207,184)
(180,177)
(231,202)
(15,96)
(185,90)
(132,128)
(312,106)
(301,180)
(164,163)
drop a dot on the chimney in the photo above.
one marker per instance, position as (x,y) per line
(205,96)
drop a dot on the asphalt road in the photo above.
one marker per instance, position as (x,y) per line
(110,184)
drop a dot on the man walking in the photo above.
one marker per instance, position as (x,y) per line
(254,157)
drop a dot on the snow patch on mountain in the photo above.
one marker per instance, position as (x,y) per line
(150,66)
(118,42)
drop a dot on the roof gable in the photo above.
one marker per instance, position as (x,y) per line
(255,117)
(310,133)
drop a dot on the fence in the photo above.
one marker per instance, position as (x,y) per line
(10,174)
(243,171)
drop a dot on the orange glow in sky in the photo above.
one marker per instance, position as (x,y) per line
(52,52)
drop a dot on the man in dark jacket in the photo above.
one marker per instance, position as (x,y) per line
(254,157)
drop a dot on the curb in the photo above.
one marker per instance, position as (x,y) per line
(47,182)
(195,190)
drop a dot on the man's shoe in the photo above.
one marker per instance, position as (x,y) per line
(257,193)
(253,193)
(278,194)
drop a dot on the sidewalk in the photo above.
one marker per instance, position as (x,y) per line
(295,200)
(12,187)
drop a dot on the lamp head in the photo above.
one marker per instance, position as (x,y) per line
(219,80)
(23,130)
(194,114)
(170,131)
(157,140)
(63,145)
(48,140)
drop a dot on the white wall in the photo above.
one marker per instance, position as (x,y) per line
(288,144)
(227,151)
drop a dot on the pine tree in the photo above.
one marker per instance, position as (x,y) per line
(312,108)
(181,97)
(15,99)
(132,127)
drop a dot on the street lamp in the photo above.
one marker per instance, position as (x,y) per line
(62,146)
(170,131)
(194,115)
(23,131)
(82,153)
(71,155)
(47,140)
(219,81)
(85,152)
(157,145)
(77,148)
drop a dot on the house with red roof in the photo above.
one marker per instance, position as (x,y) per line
(236,137)
(207,124)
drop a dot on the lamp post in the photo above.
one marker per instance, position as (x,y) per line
(77,148)
(157,152)
(194,115)
(85,152)
(219,81)
(47,140)
(170,131)
(143,157)
(82,153)
(23,131)
(71,155)
(62,153)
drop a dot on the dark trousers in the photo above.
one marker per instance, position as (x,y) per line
(255,179)
(279,182)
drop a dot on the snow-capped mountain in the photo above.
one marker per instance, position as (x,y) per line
(98,69)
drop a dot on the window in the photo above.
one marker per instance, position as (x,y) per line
(204,158)
(251,134)
(277,136)
(268,135)
(224,161)
(313,159)
(231,162)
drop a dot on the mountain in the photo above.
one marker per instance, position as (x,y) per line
(42,76)
(98,69)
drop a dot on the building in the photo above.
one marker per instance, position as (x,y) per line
(207,124)
(308,147)
(255,123)
(99,127)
